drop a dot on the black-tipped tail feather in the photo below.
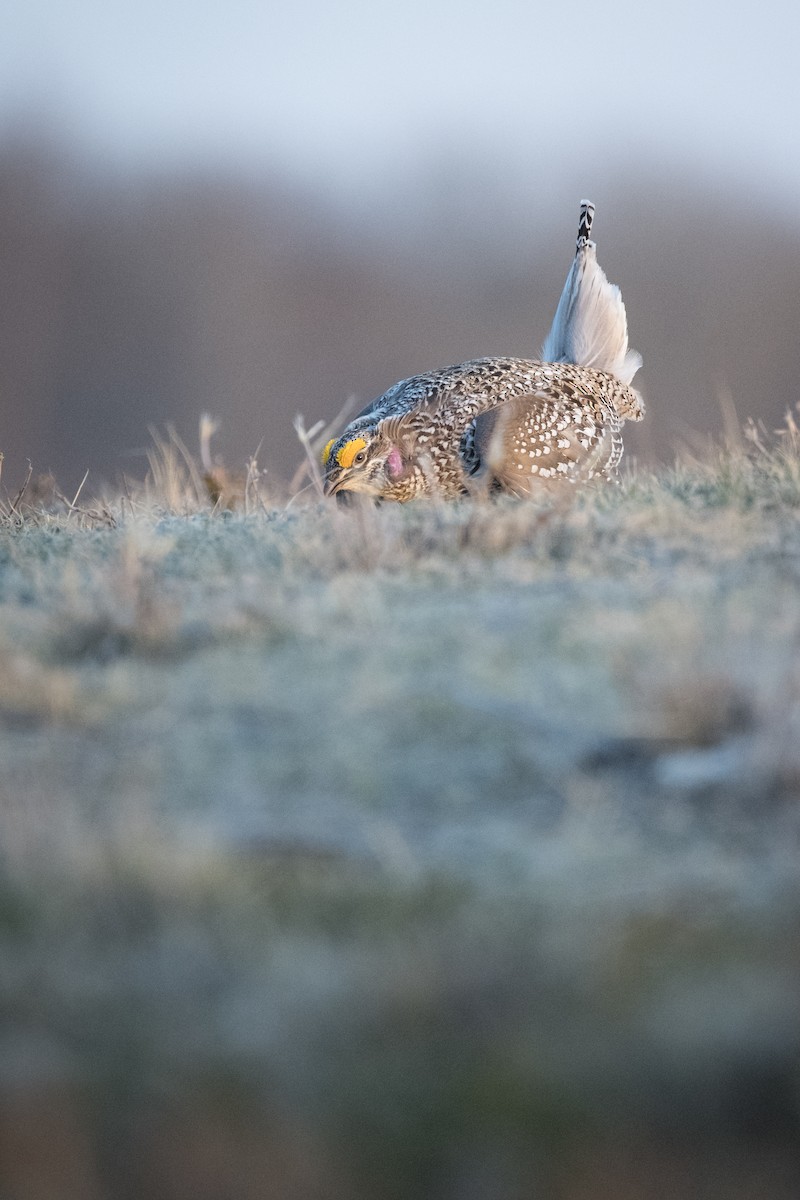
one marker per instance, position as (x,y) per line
(590,327)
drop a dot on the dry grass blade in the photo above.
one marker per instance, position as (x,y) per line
(731,424)
(252,492)
(208,427)
(311,465)
(312,441)
(173,481)
(101,516)
(229,489)
(18,498)
(188,458)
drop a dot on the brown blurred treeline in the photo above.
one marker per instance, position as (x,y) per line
(138,299)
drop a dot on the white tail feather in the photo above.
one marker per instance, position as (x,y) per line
(590,327)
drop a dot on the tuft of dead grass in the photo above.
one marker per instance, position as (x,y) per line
(755,468)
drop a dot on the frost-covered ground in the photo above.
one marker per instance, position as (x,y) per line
(437,851)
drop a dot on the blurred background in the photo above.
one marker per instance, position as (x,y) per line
(256,210)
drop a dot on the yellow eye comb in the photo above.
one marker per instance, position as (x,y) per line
(348,452)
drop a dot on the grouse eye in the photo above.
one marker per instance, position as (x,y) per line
(351,452)
(360,457)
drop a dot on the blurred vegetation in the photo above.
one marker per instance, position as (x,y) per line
(439,851)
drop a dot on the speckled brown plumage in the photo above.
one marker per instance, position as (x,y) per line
(516,425)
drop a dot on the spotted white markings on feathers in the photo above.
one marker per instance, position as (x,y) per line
(555,409)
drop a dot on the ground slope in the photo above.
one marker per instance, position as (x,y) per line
(441,851)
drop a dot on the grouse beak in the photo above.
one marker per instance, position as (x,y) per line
(335,488)
(331,486)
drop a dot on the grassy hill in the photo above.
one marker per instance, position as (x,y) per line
(437,851)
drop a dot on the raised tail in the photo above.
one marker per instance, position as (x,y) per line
(590,327)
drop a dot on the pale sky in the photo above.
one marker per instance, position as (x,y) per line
(353,97)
